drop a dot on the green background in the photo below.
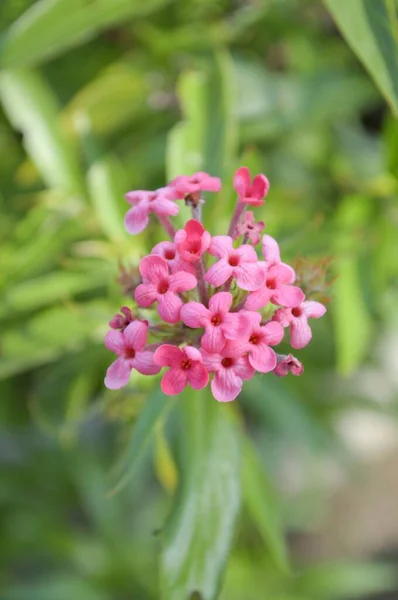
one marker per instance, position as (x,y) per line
(130,495)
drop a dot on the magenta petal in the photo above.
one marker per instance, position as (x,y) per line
(154,268)
(221,246)
(195,314)
(220,302)
(249,276)
(288,295)
(174,381)
(136,218)
(243,368)
(136,335)
(226,386)
(211,184)
(247,253)
(193,353)
(161,206)
(219,273)
(182,282)
(270,250)
(145,294)
(260,186)
(114,341)
(198,376)
(262,358)
(300,333)
(211,361)
(213,340)
(169,307)
(118,374)
(168,355)
(236,326)
(273,333)
(258,299)
(143,362)
(242,181)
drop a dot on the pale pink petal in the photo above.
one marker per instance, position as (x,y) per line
(205,241)
(260,186)
(195,314)
(282,273)
(236,326)
(220,302)
(288,295)
(270,249)
(213,340)
(168,355)
(136,218)
(163,248)
(312,309)
(262,358)
(174,381)
(219,273)
(182,282)
(211,184)
(180,237)
(136,335)
(242,181)
(193,353)
(247,253)
(226,386)
(198,376)
(273,333)
(212,362)
(145,294)
(118,374)
(221,246)
(154,268)
(161,206)
(136,196)
(258,299)
(283,316)
(249,276)
(114,341)
(143,362)
(253,316)
(300,333)
(169,307)
(243,368)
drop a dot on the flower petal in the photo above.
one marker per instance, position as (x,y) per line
(273,333)
(236,326)
(288,295)
(213,340)
(260,186)
(162,206)
(195,314)
(220,302)
(136,335)
(300,332)
(169,306)
(312,309)
(212,361)
(243,368)
(168,355)
(258,299)
(249,276)
(198,376)
(118,374)
(193,353)
(114,340)
(270,250)
(145,294)
(174,381)
(154,268)
(219,273)
(182,282)
(242,181)
(226,386)
(247,253)
(262,358)
(143,362)
(221,246)
(136,218)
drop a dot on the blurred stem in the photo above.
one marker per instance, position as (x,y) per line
(202,287)
(165,221)
(240,208)
(197,212)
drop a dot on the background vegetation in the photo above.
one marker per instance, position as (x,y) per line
(129,495)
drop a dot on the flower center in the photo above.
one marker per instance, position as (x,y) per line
(169,254)
(250,226)
(254,338)
(216,320)
(163,287)
(296,312)
(129,353)
(233,261)
(194,248)
(271,284)
(186,364)
(227,362)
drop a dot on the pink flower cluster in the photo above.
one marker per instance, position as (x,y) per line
(220,310)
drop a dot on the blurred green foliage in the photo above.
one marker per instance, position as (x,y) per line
(102,96)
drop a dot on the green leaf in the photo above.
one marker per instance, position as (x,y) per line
(51,26)
(261,503)
(143,431)
(367,28)
(32,109)
(198,537)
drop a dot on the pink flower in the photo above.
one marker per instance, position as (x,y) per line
(230,370)
(240,263)
(288,363)
(159,202)
(129,346)
(249,228)
(296,319)
(192,241)
(121,321)
(158,285)
(258,341)
(250,192)
(195,184)
(220,325)
(186,366)
(169,252)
